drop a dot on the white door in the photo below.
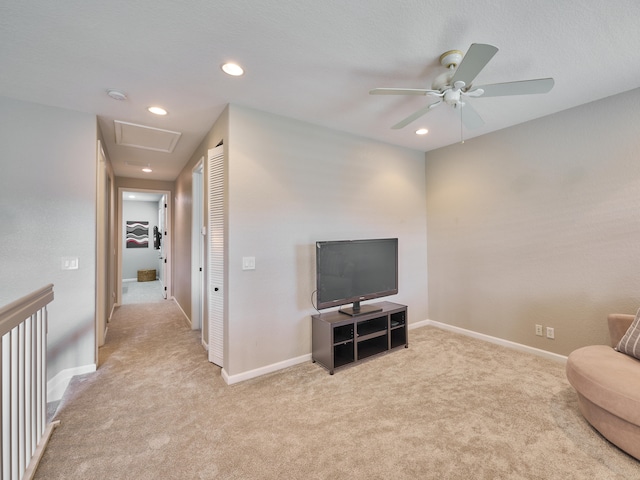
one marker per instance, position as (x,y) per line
(215,242)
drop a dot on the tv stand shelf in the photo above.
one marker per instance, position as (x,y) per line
(338,340)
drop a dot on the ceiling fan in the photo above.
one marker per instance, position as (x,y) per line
(455,84)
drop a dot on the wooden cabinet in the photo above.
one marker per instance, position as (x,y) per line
(339,340)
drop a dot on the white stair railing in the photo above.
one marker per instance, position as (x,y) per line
(23,384)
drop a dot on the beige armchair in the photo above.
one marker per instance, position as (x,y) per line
(608,386)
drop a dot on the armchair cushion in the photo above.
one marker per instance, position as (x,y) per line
(630,341)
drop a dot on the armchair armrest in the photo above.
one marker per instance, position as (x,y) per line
(619,323)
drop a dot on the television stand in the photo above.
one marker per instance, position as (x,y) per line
(339,340)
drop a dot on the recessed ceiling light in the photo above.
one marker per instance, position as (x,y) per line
(232,69)
(157,110)
(422,131)
(147,170)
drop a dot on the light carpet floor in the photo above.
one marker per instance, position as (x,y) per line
(448,407)
(141,292)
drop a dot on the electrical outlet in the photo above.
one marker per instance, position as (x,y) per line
(539,330)
(551,333)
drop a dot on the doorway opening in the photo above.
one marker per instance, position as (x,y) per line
(144,231)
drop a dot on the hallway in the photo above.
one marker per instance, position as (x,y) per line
(137,416)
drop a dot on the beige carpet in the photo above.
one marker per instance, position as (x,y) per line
(448,407)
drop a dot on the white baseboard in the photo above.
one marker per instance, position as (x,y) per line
(129,280)
(113,309)
(274,367)
(498,341)
(58,384)
(183,312)
(240,377)
(423,323)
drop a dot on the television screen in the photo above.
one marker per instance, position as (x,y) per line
(351,271)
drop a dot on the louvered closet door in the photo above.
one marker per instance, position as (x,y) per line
(215,240)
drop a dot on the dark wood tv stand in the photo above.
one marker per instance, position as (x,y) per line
(338,340)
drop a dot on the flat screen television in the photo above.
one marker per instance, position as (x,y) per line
(352,271)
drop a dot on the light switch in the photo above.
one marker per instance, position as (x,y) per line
(69,263)
(248,263)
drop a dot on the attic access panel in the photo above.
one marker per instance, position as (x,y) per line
(148,138)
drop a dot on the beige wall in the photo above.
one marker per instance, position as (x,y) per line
(48,211)
(539,223)
(183,215)
(290,185)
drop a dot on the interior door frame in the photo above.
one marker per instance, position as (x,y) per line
(166,238)
(198,232)
(104,240)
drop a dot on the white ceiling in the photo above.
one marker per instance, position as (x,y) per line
(137,196)
(307,59)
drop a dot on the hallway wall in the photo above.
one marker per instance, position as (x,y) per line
(183,212)
(48,211)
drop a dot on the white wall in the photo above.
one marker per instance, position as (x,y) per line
(48,211)
(134,259)
(291,184)
(539,223)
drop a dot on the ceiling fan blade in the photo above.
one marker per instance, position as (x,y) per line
(403,91)
(470,117)
(523,87)
(473,62)
(415,115)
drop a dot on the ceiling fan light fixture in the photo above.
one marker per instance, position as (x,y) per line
(147,170)
(157,110)
(422,131)
(232,69)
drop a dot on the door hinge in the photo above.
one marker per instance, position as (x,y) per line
(200,268)
(165,289)
(165,260)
